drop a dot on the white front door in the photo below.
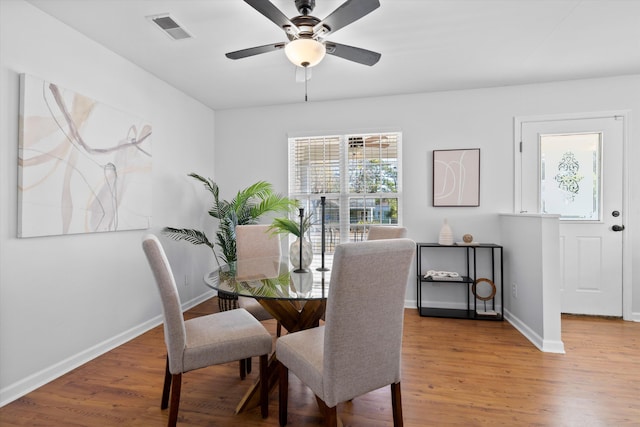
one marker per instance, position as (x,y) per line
(574,168)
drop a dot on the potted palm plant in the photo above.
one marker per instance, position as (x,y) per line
(246,207)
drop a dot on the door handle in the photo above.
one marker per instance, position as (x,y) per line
(617,227)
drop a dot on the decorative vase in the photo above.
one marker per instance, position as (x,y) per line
(446,235)
(302,283)
(307,254)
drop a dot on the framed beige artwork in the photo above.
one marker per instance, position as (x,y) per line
(456,177)
(83,167)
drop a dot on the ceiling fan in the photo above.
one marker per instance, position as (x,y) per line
(306,33)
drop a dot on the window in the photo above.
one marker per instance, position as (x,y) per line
(359,175)
(570,176)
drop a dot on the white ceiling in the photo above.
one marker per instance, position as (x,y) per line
(426,45)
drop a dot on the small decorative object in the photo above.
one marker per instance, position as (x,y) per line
(467,240)
(443,275)
(304,253)
(490,295)
(484,298)
(301,241)
(446,235)
(322,203)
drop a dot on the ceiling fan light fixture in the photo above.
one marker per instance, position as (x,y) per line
(305,52)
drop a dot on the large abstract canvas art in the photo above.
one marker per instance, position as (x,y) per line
(456,177)
(84,167)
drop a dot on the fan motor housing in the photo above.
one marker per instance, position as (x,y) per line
(305,24)
(305,7)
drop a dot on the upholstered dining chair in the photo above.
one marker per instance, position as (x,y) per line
(256,241)
(383,232)
(358,348)
(203,341)
(379,232)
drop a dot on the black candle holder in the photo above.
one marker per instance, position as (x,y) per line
(300,269)
(322,267)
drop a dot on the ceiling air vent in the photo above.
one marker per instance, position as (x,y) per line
(170,27)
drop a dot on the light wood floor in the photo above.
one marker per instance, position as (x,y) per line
(455,372)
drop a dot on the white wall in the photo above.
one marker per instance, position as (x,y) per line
(65,299)
(251,144)
(532,277)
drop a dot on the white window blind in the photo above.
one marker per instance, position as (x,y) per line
(359,175)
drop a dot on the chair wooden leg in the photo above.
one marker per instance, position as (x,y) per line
(175,399)
(166,388)
(243,368)
(330,414)
(264,385)
(248,365)
(283,394)
(278,329)
(396,403)
(331,417)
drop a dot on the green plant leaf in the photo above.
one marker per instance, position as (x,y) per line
(287,225)
(284,226)
(192,236)
(273,203)
(246,207)
(211,186)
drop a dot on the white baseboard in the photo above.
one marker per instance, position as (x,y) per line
(410,304)
(38,379)
(547,346)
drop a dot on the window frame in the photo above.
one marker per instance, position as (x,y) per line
(344,196)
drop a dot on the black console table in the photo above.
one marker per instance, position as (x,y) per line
(469,279)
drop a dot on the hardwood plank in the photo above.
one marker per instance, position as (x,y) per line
(454,372)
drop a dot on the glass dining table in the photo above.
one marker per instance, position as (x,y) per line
(297,299)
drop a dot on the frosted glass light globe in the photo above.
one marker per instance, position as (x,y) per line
(305,52)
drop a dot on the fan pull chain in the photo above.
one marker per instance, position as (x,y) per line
(305,65)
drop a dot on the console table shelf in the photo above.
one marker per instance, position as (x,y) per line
(469,280)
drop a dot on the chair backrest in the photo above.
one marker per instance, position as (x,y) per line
(174,329)
(380,232)
(364,317)
(256,241)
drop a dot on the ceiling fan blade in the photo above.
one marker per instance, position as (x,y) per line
(350,11)
(238,54)
(274,14)
(355,54)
